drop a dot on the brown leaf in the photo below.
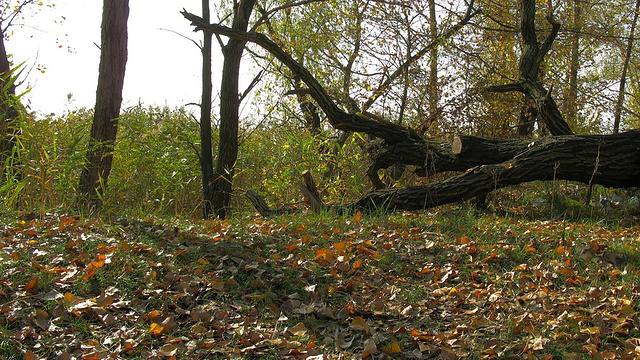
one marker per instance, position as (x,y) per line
(359,323)
(168,350)
(32,286)
(370,348)
(42,319)
(298,330)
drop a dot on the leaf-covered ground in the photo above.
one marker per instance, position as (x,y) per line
(447,283)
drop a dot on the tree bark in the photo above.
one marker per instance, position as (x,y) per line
(206,151)
(608,160)
(113,60)
(229,112)
(8,111)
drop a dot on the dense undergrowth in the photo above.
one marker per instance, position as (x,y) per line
(156,169)
(538,273)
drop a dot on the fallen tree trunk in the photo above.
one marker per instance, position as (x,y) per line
(608,160)
(432,157)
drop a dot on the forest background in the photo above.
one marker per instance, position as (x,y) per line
(447,88)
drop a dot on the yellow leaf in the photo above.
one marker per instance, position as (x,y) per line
(340,246)
(393,348)
(156,329)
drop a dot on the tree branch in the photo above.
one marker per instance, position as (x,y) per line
(338,118)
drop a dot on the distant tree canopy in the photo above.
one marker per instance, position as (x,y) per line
(355,46)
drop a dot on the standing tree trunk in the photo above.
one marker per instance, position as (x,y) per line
(533,54)
(625,66)
(206,155)
(574,64)
(229,112)
(8,111)
(434,93)
(113,61)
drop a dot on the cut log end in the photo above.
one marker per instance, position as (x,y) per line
(456,145)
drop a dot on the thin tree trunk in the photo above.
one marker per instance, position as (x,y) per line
(434,93)
(206,155)
(625,67)
(113,60)
(229,112)
(574,64)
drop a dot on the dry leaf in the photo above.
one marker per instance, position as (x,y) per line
(32,286)
(298,330)
(370,348)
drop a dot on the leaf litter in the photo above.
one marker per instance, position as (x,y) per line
(414,285)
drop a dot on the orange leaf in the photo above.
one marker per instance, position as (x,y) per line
(154,315)
(70,298)
(29,355)
(340,246)
(300,229)
(490,258)
(357,264)
(291,248)
(156,329)
(566,272)
(32,286)
(560,250)
(357,217)
(128,345)
(90,272)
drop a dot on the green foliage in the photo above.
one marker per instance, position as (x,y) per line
(156,168)
(272,160)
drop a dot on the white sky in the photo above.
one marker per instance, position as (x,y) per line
(163,68)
